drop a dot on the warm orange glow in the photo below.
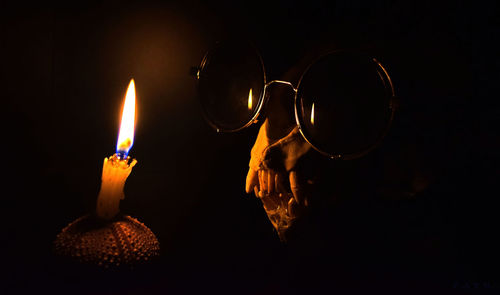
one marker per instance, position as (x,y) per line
(126,134)
(250,100)
(312,114)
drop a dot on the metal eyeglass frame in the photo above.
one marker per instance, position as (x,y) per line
(263,99)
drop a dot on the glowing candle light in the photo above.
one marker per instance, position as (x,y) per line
(312,114)
(250,99)
(117,168)
(126,134)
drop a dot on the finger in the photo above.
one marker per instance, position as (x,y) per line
(256,191)
(261,183)
(296,187)
(251,181)
(270,181)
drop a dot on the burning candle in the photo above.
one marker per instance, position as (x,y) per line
(109,239)
(117,168)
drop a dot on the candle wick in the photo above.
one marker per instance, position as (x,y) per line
(121,155)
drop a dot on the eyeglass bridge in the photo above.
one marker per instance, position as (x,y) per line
(281,82)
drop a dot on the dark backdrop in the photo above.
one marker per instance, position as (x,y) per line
(65,68)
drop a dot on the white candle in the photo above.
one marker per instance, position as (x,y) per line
(118,167)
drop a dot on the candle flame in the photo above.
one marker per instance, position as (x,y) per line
(126,134)
(250,100)
(312,114)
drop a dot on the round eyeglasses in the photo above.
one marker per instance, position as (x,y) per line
(344,101)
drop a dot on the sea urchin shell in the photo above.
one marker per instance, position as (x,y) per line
(122,241)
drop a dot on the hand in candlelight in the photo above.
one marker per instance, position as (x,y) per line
(279,185)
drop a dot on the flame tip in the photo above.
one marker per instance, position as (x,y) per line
(126,134)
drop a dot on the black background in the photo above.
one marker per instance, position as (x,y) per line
(65,68)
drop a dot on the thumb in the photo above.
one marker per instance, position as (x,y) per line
(297,187)
(252,181)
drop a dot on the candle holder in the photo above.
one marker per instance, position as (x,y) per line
(119,242)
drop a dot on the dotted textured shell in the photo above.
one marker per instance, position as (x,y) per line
(123,241)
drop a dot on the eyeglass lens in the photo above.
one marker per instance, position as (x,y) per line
(343,103)
(231,82)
